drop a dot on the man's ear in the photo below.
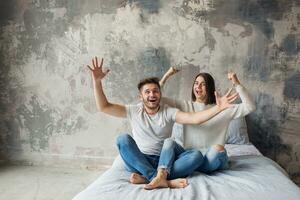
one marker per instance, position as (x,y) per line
(140,96)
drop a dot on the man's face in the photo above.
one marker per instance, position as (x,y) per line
(150,95)
(199,89)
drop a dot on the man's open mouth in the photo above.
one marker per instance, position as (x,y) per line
(152,100)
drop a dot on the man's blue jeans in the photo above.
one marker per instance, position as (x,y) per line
(187,161)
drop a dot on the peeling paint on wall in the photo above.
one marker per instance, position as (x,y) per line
(154,62)
(291,45)
(149,6)
(292,87)
(265,123)
(46,94)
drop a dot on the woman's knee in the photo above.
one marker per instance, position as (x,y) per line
(168,143)
(219,147)
(124,139)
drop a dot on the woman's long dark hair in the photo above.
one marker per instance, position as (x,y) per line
(210,88)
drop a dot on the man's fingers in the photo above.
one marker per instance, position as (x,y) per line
(101,63)
(233,97)
(228,93)
(106,71)
(217,95)
(96,61)
(93,61)
(89,67)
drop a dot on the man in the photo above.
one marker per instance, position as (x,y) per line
(151,124)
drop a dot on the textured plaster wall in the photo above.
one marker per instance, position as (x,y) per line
(48,113)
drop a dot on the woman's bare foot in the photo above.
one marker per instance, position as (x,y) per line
(157,182)
(137,179)
(178,183)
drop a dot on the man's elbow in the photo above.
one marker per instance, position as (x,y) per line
(103,108)
(100,109)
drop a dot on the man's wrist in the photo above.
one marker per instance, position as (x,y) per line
(97,81)
(219,108)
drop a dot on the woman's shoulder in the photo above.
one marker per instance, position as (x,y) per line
(192,106)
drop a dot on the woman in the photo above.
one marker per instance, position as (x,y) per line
(208,137)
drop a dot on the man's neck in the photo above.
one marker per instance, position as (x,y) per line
(151,111)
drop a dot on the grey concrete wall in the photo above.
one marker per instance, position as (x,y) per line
(48,113)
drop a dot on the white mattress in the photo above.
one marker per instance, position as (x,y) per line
(250,176)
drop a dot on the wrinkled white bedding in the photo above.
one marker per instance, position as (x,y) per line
(250,176)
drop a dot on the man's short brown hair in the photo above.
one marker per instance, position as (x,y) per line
(151,80)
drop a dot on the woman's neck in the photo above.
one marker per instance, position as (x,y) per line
(201,101)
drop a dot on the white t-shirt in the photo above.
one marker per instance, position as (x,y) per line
(213,131)
(150,131)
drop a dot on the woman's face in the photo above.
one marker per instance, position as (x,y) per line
(199,89)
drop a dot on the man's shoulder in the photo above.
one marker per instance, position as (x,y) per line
(134,108)
(165,108)
(139,104)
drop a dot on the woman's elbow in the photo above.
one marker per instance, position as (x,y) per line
(252,107)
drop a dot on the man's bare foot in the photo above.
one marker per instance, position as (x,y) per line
(137,179)
(178,183)
(157,182)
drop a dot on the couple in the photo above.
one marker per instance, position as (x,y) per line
(151,155)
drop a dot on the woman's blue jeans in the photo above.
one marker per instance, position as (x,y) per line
(189,161)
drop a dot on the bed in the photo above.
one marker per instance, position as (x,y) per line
(250,176)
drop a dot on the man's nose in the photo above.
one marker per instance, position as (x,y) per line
(151,93)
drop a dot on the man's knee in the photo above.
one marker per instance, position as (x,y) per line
(124,140)
(196,155)
(219,147)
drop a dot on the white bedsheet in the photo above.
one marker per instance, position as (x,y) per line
(241,150)
(250,176)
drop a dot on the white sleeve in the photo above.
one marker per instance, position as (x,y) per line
(129,109)
(171,113)
(247,105)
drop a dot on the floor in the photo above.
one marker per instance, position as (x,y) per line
(43,183)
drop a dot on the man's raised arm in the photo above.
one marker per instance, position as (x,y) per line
(102,103)
(203,116)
